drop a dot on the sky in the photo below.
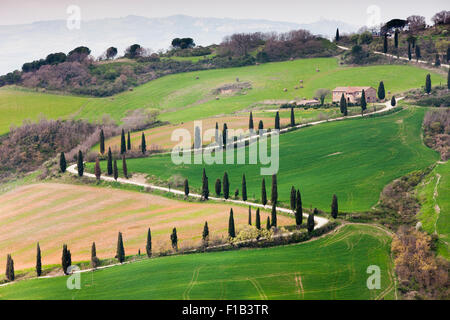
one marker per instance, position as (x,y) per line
(361,12)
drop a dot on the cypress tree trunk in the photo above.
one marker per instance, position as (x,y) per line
(298,209)
(231,231)
(274,194)
(80,164)
(249,215)
(258,220)
(274,215)
(102,142)
(123,147)
(428,84)
(148,247)
(263,192)
(218,187)
(38,261)
(124,167)
(143,144)
(277,121)
(115,171)
(244,188)
(174,239)
(292,118)
(186,187)
(129,141)
(62,162)
(110,164)
(334,207)
(226,186)
(97,169)
(120,249)
(268,225)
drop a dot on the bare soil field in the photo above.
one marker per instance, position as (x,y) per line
(54,214)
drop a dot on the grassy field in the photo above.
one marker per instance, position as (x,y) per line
(332,267)
(354,159)
(54,214)
(434,195)
(182,97)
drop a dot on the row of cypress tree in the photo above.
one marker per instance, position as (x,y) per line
(124,147)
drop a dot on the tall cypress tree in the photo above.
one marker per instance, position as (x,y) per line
(268,225)
(38,261)
(231,230)
(334,207)
(205,233)
(123,146)
(274,215)
(277,121)
(102,142)
(205,187)
(263,192)
(10,276)
(148,246)
(292,118)
(381,92)
(186,187)
(363,102)
(396,39)
(260,126)
(97,170)
(62,162)
(226,186)
(124,167)
(80,164)
(310,222)
(274,195)
(218,187)
(393,101)
(120,254)
(418,55)
(65,259)
(258,220)
(216,134)
(244,188)
(115,171)
(95,262)
(385,44)
(409,51)
(337,35)
(128,141)
(174,239)
(225,134)
(249,215)
(293,195)
(250,122)
(143,144)
(343,104)
(298,209)
(428,84)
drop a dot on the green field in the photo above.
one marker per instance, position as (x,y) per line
(333,267)
(434,195)
(181,97)
(354,159)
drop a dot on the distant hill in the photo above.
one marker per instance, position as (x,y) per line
(21,43)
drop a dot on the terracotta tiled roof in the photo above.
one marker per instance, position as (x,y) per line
(351,89)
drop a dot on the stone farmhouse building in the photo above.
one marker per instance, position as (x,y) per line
(353,94)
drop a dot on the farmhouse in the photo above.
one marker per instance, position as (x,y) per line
(353,94)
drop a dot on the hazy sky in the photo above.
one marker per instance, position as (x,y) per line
(353,12)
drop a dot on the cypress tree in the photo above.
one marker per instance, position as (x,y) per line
(226,186)
(102,142)
(393,101)
(124,167)
(65,259)
(428,84)
(250,122)
(293,194)
(148,246)
(260,126)
(110,163)
(216,134)
(38,261)
(95,262)
(249,215)
(274,195)
(385,44)
(363,102)
(123,146)
(236,193)
(396,39)
(174,239)
(62,162)
(343,104)
(310,222)
(381,92)
(225,134)
(292,118)
(97,170)
(244,188)
(231,231)
(205,187)
(143,144)
(218,187)
(437,62)
(274,215)
(10,276)
(334,207)
(418,55)
(205,234)
(448,79)
(258,220)
(263,192)
(268,225)
(115,171)
(337,35)
(186,187)
(277,121)
(409,51)
(298,209)
(120,255)
(128,141)
(80,164)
